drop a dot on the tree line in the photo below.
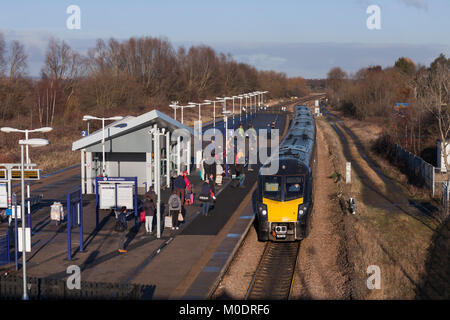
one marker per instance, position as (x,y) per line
(374,92)
(135,75)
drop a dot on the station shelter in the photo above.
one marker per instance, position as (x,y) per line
(139,147)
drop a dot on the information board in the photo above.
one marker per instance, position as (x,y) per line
(107,195)
(3,195)
(27,239)
(125,196)
(29,174)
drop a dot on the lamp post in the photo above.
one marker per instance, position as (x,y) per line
(33,143)
(262,96)
(174,106)
(246,106)
(240,97)
(233,97)
(199,152)
(224,100)
(117,118)
(26,131)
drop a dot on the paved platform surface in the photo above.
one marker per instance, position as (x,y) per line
(182,263)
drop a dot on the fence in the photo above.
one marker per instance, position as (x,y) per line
(11,287)
(4,248)
(74,218)
(445,196)
(418,170)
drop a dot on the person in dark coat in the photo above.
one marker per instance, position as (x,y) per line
(122,220)
(152,194)
(180,187)
(205,197)
(149,208)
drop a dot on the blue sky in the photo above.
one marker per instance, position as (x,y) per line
(304,38)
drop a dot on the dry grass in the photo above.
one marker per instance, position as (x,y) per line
(393,240)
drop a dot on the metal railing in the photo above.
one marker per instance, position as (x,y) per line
(11,287)
(420,172)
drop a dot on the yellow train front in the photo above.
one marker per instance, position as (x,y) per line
(284,198)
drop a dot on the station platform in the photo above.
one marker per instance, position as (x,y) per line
(182,264)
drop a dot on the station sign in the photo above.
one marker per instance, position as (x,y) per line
(29,174)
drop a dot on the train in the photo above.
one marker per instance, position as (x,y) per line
(284,200)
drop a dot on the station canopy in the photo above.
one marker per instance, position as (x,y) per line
(129,134)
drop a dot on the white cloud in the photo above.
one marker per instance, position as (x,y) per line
(262,60)
(419,4)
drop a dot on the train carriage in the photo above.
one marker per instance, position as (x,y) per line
(285,199)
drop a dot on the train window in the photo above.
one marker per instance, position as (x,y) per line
(272,187)
(294,187)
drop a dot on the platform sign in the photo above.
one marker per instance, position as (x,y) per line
(19,212)
(107,195)
(83,133)
(3,195)
(29,174)
(125,196)
(27,239)
(3,174)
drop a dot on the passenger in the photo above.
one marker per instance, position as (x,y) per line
(121,228)
(219,174)
(188,187)
(205,196)
(174,209)
(212,183)
(172,180)
(240,175)
(241,131)
(151,192)
(180,187)
(149,208)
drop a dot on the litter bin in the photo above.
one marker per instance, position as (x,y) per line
(57,212)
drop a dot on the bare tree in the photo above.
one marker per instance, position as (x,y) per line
(433,94)
(17,60)
(2,54)
(62,68)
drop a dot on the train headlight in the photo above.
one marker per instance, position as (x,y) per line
(263,209)
(302,209)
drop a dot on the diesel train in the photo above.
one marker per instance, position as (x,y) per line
(285,199)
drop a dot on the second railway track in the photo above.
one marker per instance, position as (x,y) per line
(275,272)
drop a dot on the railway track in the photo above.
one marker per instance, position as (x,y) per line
(275,272)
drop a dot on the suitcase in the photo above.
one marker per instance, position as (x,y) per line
(168,222)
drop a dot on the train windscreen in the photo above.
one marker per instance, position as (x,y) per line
(272,187)
(294,187)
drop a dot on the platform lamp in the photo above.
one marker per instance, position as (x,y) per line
(32,143)
(240,97)
(262,96)
(174,105)
(117,118)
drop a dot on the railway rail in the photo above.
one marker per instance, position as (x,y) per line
(275,272)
